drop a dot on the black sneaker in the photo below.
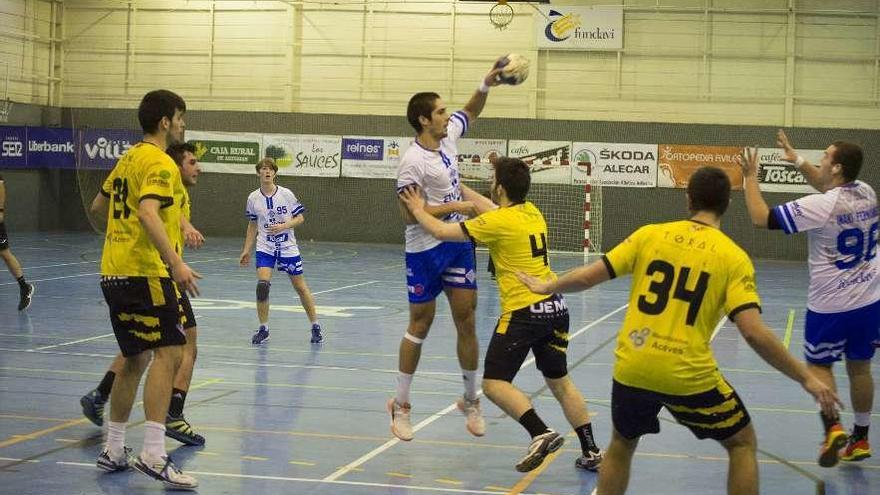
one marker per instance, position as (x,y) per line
(114,465)
(26,296)
(590,461)
(180,430)
(261,336)
(317,337)
(541,446)
(93,407)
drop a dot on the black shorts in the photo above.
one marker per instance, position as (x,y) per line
(541,328)
(4,237)
(187,317)
(144,312)
(717,414)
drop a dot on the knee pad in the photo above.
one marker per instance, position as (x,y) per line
(263,290)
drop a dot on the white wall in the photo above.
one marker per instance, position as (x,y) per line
(702,61)
(25,50)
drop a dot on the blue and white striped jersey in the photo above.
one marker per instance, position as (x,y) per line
(271,210)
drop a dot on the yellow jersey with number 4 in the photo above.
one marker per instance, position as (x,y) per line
(517,240)
(685,277)
(143,172)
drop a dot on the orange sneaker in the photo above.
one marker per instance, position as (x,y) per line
(856,450)
(835,440)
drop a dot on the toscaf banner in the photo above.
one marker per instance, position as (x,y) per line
(579,28)
(778,175)
(305,155)
(229,152)
(549,161)
(677,162)
(615,164)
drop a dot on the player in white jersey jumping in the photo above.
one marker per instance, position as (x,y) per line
(843,304)
(433,266)
(274,212)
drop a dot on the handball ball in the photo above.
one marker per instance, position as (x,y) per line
(514,69)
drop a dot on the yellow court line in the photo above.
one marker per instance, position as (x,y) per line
(446,481)
(399,475)
(302,463)
(254,458)
(527,480)
(32,418)
(206,453)
(496,488)
(787,339)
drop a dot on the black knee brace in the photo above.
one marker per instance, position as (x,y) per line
(263,290)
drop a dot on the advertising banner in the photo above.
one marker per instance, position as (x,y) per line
(677,162)
(229,152)
(550,161)
(579,28)
(615,164)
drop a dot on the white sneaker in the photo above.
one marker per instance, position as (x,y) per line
(473,416)
(164,470)
(541,446)
(400,423)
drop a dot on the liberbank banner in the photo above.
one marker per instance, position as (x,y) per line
(579,28)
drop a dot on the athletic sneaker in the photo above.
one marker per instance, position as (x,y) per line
(93,407)
(164,470)
(111,465)
(589,461)
(400,422)
(473,416)
(856,450)
(262,335)
(829,452)
(180,430)
(541,446)
(317,337)
(26,295)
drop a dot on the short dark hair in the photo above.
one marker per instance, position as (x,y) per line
(176,151)
(849,156)
(513,175)
(420,105)
(157,104)
(267,161)
(709,190)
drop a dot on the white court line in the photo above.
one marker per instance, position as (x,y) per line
(43,348)
(59,264)
(313,480)
(718,328)
(329,368)
(99,273)
(425,422)
(346,287)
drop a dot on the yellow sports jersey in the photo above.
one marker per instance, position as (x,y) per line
(686,276)
(517,240)
(145,171)
(182,198)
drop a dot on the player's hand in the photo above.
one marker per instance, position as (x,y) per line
(245,258)
(492,78)
(277,228)
(534,284)
(828,400)
(186,278)
(748,161)
(412,198)
(789,154)
(193,238)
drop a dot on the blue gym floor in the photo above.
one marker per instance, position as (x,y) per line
(294,418)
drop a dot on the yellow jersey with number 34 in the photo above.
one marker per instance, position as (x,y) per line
(144,171)
(517,240)
(685,277)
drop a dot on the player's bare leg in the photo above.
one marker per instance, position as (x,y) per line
(264,277)
(308,304)
(421,315)
(463,304)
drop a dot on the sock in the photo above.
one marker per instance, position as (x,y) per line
(115,439)
(533,424)
(862,422)
(22,284)
(106,384)
(154,441)
(178,397)
(470,384)
(404,382)
(585,435)
(828,421)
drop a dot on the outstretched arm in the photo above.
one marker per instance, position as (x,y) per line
(576,280)
(412,198)
(475,105)
(810,172)
(755,204)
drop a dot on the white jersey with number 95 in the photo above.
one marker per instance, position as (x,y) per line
(272,210)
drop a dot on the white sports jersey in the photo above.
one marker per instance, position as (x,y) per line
(842,228)
(270,210)
(436,173)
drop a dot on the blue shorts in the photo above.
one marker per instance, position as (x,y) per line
(449,264)
(831,335)
(291,266)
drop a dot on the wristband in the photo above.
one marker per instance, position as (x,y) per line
(799,161)
(484,88)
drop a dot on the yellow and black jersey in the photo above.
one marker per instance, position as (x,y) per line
(517,240)
(182,198)
(686,276)
(145,171)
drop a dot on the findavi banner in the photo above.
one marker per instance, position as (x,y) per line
(579,28)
